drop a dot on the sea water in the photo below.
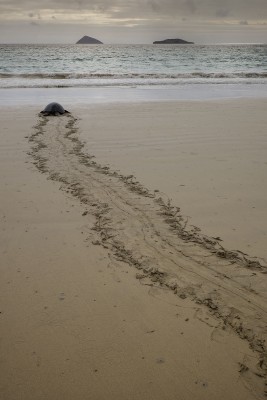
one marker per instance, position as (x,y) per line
(99,73)
(126,65)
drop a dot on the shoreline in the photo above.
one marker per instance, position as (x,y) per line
(91,96)
(94,312)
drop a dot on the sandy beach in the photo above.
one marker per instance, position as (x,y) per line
(108,287)
(208,157)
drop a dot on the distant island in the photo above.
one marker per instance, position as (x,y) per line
(172,41)
(88,40)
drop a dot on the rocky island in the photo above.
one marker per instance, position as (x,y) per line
(88,40)
(173,41)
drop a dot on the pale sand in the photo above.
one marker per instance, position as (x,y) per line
(208,157)
(75,322)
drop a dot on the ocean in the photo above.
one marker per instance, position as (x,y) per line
(28,66)
(108,73)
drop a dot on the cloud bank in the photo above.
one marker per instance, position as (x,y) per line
(240,10)
(151,18)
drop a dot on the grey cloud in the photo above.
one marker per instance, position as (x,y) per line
(154,5)
(190,6)
(34,15)
(241,10)
(170,7)
(222,13)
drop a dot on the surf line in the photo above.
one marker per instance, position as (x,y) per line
(138,227)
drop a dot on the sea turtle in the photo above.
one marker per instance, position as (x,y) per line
(54,109)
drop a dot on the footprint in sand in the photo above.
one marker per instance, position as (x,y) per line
(61,296)
(160,360)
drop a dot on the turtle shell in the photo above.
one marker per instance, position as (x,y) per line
(54,109)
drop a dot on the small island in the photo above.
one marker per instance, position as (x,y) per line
(88,40)
(172,41)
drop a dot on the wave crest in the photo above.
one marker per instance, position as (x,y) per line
(193,75)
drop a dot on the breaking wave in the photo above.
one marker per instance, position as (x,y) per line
(50,80)
(192,75)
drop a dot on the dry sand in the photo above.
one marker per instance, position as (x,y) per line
(106,292)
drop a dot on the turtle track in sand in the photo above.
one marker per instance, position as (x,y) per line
(138,227)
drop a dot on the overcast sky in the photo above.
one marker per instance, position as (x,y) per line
(133,21)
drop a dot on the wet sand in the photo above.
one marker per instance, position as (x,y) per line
(208,157)
(106,291)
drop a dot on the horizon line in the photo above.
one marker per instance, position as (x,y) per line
(133,44)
